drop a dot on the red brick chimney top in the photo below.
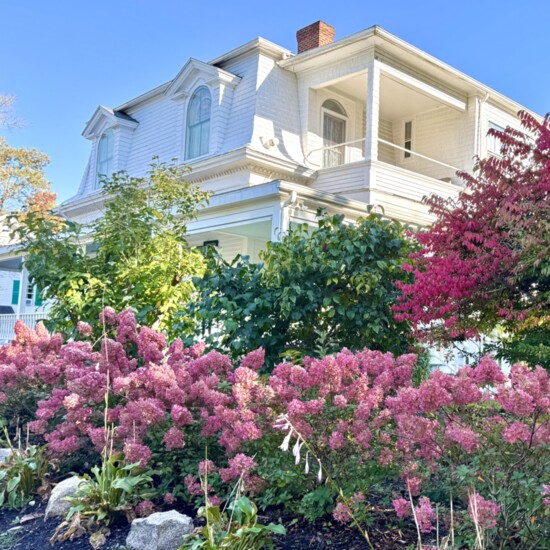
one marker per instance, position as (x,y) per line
(314,35)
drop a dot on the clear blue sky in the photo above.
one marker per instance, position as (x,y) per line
(62,58)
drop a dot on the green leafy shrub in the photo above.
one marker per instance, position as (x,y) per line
(113,491)
(140,254)
(23,475)
(234,529)
(317,291)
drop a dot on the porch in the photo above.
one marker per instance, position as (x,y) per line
(387,138)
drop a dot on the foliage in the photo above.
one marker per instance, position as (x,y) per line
(21,175)
(141,256)
(238,530)
(24,475)
(115,489)
(356,423)
(318,290)
(484,262)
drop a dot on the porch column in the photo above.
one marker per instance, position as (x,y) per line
(21,305)
(373,108)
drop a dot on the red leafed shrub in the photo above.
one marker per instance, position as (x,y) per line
(484,261)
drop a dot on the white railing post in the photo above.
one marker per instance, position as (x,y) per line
(22,289)
(373,110)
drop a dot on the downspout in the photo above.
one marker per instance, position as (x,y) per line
(291,202)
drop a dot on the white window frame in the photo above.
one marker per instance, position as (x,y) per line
(29,294)
(492,141)
(186,125)
(334,114)
(410,156)
(111,159)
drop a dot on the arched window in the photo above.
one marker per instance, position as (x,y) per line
(105,155)
(198,123)
(334,133)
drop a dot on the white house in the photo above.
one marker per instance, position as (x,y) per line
(364,120)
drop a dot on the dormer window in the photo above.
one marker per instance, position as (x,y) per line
(105,156)
(198,123)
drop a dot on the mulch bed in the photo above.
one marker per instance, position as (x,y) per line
(32,533)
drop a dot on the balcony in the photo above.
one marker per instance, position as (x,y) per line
(385,137)
(397,190)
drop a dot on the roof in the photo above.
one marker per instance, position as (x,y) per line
(402,49)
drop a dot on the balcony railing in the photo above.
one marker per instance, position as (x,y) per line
(7,323)
(348,152)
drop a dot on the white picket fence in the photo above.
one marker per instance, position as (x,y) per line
(7,323)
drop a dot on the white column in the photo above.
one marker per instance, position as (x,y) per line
(21,305)
(373,109)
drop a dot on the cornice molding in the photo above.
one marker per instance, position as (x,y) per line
(104,118)
(194,70)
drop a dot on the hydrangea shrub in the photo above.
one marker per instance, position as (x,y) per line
(479,437)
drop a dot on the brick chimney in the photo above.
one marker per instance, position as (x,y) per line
(314,35)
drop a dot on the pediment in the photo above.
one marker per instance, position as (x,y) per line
(104,118)
(195,71)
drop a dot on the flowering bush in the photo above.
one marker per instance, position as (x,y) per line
(354,419)
(29,367)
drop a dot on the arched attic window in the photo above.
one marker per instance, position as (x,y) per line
(334,133)
(198,123)
(105,156)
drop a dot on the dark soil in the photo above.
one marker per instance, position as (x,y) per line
(26,530)
(35,534)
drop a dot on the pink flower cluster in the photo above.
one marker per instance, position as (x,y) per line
(483,511)
(360,405)
(423,512)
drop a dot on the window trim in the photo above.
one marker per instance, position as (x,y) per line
(107,132)
(29,294)
(408,157)
(186,143)
(491,140)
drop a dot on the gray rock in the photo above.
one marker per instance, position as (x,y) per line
(5,455)
(56,505)
(160,531)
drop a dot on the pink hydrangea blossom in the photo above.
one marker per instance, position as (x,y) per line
(483,512)
(517,431)
(341,513)
(254,360)
(136,453)
(144,508)
(85,329)
(402,507)
(424,514)
(173,439)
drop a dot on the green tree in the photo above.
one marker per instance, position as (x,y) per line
(318,290)
(137,252)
